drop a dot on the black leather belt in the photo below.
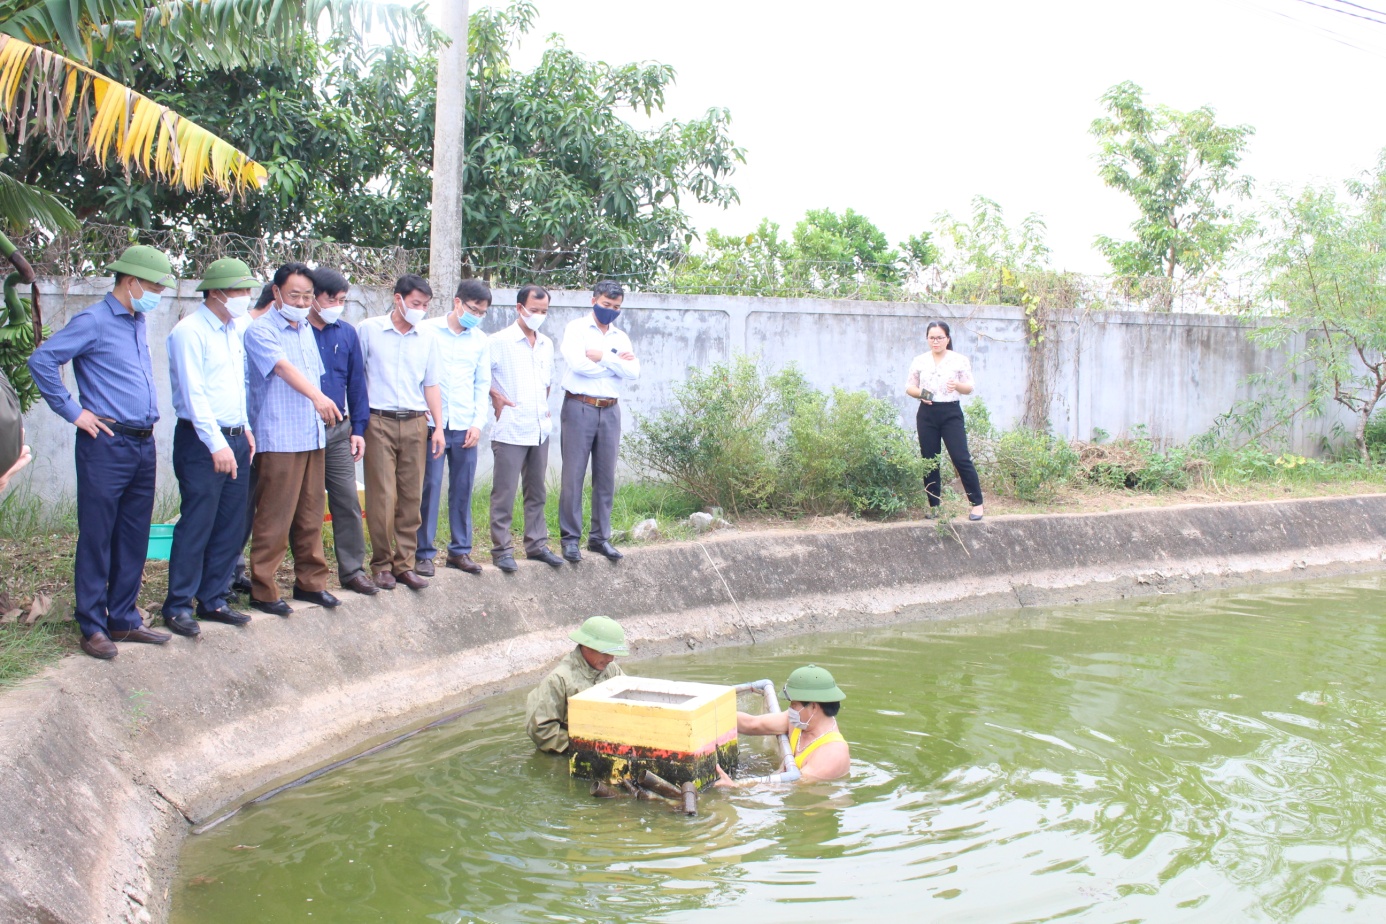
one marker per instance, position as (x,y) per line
(397,415)
(139,433)
(226,431)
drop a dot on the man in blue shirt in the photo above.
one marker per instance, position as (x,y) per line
(466,365)
(290,414)
(344,381)
(108,347)
(212,450)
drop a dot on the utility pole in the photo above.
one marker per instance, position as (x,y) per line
(445,230)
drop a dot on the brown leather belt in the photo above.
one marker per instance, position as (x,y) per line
(396,415)
(588,399)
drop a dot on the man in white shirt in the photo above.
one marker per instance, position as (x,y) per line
(212,450)
(521,378)
(402,381)
(465,361)
(599,357)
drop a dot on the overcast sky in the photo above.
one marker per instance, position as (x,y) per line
(902,110)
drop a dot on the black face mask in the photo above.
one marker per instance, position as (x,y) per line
(605,315)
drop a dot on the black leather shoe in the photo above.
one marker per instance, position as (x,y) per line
(606,548)
(547,557)
(182,624)
(424,567)
(226,615)
(320,597)
(570,550)
(505,562)
(148,636)
(273,607)
(241,583)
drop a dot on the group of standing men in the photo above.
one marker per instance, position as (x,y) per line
(277,402)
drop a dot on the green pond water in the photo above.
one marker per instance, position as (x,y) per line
(1195,758)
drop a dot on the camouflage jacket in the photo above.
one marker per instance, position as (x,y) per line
(546,721)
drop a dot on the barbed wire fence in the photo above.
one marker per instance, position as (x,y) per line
(88,251)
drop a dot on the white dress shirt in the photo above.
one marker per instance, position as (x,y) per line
(206,366)
(398,366)
(934,377)
(523,373)
(466,365)
(596,379)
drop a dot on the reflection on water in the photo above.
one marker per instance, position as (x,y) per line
(1210,758)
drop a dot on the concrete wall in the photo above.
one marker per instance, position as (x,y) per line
(106,766)
(1173,373)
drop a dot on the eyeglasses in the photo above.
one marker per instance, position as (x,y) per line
(297,299)
(938,338)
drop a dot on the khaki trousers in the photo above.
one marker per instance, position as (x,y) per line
(396,453)
(289,499)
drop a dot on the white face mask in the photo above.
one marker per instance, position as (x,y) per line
(533,321)
(796,720)
(238,305)
(412,316)
(297,315)
(331,315)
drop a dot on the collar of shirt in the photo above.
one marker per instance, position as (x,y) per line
(210,318)
(118,309)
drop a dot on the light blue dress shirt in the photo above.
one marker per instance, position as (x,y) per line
(206,366)
(466,378)
(283,419)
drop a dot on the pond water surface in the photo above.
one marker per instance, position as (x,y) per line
(1219,757)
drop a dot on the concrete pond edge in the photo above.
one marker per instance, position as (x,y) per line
(105,767)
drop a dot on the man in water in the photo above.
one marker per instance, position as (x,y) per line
(599,640)
(820,752)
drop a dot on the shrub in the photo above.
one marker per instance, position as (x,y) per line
(1027,464)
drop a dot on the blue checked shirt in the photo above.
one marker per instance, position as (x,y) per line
(206,366)
(283,419)
(109,352)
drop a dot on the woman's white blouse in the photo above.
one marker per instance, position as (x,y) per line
(925,374)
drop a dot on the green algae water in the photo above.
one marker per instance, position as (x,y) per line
(1215,758)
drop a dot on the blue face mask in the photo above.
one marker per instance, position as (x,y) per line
(468,320)
(605,315)
(146,302)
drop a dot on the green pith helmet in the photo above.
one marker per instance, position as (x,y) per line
(812,684)
(145,263)
(602,634)
(227,273)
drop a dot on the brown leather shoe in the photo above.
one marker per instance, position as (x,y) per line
(99,646)
(148,636)
(411,580)
(362,585)
(384,580)
(464,563)
(424,567)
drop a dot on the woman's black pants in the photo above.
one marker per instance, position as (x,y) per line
(942,422)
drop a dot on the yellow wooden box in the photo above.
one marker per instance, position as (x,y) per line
(675,728)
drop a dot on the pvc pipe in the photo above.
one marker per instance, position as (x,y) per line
(788,771)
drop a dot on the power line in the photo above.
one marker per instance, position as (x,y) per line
(1334,9)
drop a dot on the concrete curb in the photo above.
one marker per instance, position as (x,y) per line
(105,766)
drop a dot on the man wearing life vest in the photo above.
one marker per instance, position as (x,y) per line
(820,752)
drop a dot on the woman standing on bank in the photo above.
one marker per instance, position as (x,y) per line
(938,379)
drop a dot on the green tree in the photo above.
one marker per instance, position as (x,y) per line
(1180,169)
(986,258)
(828,255)
(1326,263)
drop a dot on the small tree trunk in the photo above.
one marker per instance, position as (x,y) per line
(1361,433)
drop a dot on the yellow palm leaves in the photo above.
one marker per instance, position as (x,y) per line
(75,107)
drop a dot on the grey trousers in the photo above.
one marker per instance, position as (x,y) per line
(348,535)
(588,433)
(513,463)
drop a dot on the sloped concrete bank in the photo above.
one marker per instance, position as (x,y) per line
(105,767)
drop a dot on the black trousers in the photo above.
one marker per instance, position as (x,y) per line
(943,423)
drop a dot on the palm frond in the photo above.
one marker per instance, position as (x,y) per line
(23,206)
(78,109)
(211,33)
